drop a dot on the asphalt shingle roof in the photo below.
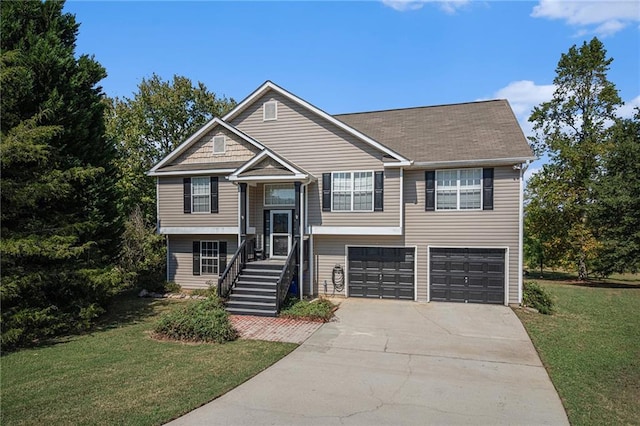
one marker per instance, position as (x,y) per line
(459,132)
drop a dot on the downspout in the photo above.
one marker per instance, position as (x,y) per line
(523,168)
(402,201)
(305,226)
(301,232)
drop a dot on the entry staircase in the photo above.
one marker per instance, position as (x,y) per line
(256,287)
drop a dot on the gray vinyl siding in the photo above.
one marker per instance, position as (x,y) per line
(330,250)
(318,147)
(488,228)
(171,212)
(180,259)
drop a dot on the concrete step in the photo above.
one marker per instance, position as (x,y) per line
(255,290)
(271,305)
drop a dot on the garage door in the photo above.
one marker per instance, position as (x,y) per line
(467,275)
(381,272)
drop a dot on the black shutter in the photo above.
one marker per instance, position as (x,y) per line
(186,185)
(378,196)
(222,256)
(213,189)
(430,190)
(266,223)
(326,192)
(196,258)
(487,189)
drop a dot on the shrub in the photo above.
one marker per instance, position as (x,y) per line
(537,297)
(198,321)
(316,310)
(172,287)
(207,292)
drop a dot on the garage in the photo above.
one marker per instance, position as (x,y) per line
(473,275)
(381,272)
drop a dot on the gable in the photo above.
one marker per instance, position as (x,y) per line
(305,138)
(201,151)
(267,167)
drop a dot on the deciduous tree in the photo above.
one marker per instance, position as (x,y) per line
(571,129)
(161,115)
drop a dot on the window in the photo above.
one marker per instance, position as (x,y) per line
(279,195)
(200,195)
(209,257)
(270,111)
(352,191)
(219,145)
(459,189)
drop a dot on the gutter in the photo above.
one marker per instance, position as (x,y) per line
(481,162)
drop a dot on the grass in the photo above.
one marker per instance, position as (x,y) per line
(118,374)
(591,347)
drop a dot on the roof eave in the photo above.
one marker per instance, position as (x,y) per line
(471,163)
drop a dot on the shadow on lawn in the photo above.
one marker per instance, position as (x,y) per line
(604,284)
(627,281)
(128,309)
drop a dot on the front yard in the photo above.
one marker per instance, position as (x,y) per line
(119,375)
(591,348)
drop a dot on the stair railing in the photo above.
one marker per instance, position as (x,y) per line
(289,271)
(233,269)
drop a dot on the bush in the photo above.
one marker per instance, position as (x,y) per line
(537,297)
(316,310)
(198,321)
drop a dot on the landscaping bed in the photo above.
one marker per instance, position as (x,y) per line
(590,346)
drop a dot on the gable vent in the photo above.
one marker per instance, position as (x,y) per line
(218,145)
(270,111)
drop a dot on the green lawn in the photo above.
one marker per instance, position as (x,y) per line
(119,375)
(591,348)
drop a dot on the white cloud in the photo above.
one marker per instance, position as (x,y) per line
(600,17)
(628,109)
(449,6)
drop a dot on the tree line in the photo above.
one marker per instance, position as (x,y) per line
(78,211)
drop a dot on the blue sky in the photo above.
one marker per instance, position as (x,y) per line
(361,56)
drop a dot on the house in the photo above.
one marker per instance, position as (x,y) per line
(421,204)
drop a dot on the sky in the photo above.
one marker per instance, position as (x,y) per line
(361,55)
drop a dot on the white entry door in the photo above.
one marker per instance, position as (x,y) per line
(280,233)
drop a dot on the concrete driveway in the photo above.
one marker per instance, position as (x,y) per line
(388,362)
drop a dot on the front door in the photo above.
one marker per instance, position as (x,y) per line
(280,233)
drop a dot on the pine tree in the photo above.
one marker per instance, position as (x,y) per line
(59,222)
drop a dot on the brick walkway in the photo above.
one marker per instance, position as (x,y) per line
(273,329)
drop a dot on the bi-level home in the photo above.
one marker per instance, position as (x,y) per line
(423,204)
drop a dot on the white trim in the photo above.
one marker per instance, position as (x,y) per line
(351,190)
(216,258)
(458,190)
(191,172)
(268,85)
(289,233)
(398,164)
(266,179)
(415,264)
(301,240)
(264,195)
(346,272)
(471,163)
(275,110)
(355,230)
(312,266)
(187,143)
(195,230)
(157,204)
(506,266)
(166,237)
(297,174)
(208,195)
(401,223)
(521,234)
